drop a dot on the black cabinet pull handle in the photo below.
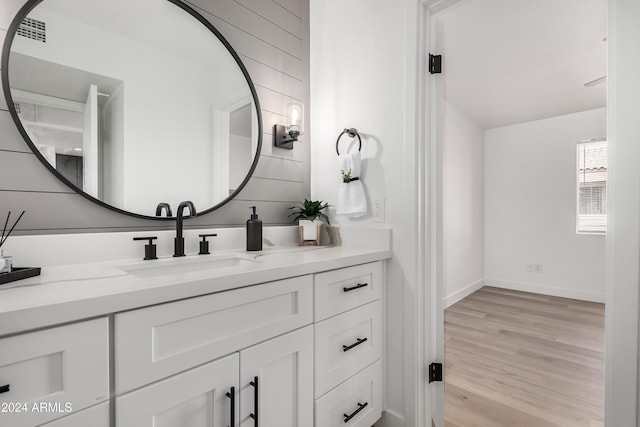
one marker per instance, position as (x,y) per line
(231,394)
(254,415)
(4,388)
(355,344)
(361,406)
(353,288)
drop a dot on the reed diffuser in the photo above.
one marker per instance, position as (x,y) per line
(6,261)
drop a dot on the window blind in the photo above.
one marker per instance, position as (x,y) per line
(592,187)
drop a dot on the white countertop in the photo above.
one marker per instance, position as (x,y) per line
(73,292)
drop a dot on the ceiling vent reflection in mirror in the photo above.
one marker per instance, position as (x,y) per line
(33,29)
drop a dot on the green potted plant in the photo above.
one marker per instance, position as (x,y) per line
(310,217)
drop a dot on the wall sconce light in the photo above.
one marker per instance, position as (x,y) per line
(284,136)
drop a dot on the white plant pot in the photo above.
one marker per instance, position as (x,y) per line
(310,229)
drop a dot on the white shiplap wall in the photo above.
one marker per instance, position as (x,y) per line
(272,39)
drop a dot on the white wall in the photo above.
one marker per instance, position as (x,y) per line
(374,33)
(463,142)
(530,204)
(361,56)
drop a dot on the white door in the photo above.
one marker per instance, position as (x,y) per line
(201,397)
(90,143)
(219,157)
(276,381)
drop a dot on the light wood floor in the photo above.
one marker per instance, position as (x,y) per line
(516,359)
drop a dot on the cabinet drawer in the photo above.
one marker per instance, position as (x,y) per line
(97,416)
(360,398)
(345,344)
(54,372)
(341,290)
(193,398)
(159,341)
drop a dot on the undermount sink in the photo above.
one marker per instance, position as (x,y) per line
(167,267)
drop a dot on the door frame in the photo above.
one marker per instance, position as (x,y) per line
(622,268)
(623,237)
(429,400)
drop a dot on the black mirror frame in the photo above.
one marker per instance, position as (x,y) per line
(6,50)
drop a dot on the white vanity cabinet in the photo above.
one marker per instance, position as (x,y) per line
(297,351)
(200,348)
(270,382)
(348,346)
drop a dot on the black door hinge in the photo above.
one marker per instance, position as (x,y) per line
(435,372)
(435,64)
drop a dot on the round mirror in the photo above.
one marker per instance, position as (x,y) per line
(132,103)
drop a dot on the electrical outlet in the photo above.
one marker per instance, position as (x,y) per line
(378,210)
(534,268)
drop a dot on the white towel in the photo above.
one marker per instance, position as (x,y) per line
(351,198)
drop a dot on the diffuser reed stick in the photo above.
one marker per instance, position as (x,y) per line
(5,234)
(5,227)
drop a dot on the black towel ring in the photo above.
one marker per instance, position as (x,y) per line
(352,132)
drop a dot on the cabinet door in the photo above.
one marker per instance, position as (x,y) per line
(276,379)
(96,416)
(195,398)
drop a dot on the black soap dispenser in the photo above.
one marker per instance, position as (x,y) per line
(254,232)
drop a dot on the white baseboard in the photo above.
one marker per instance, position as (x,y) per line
(462,293)
(390,419)
(546,290)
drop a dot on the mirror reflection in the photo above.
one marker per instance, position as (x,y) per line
(134,103)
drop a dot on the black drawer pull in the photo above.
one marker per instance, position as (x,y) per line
(254,415)
(353,288)
(231,394)
(355,344)
(4,388)
(361,406)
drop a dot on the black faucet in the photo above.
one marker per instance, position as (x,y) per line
(161,206)
(178,242)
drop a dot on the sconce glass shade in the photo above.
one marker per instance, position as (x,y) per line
(285,135)
(295,117)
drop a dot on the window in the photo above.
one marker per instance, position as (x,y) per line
(592,187)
